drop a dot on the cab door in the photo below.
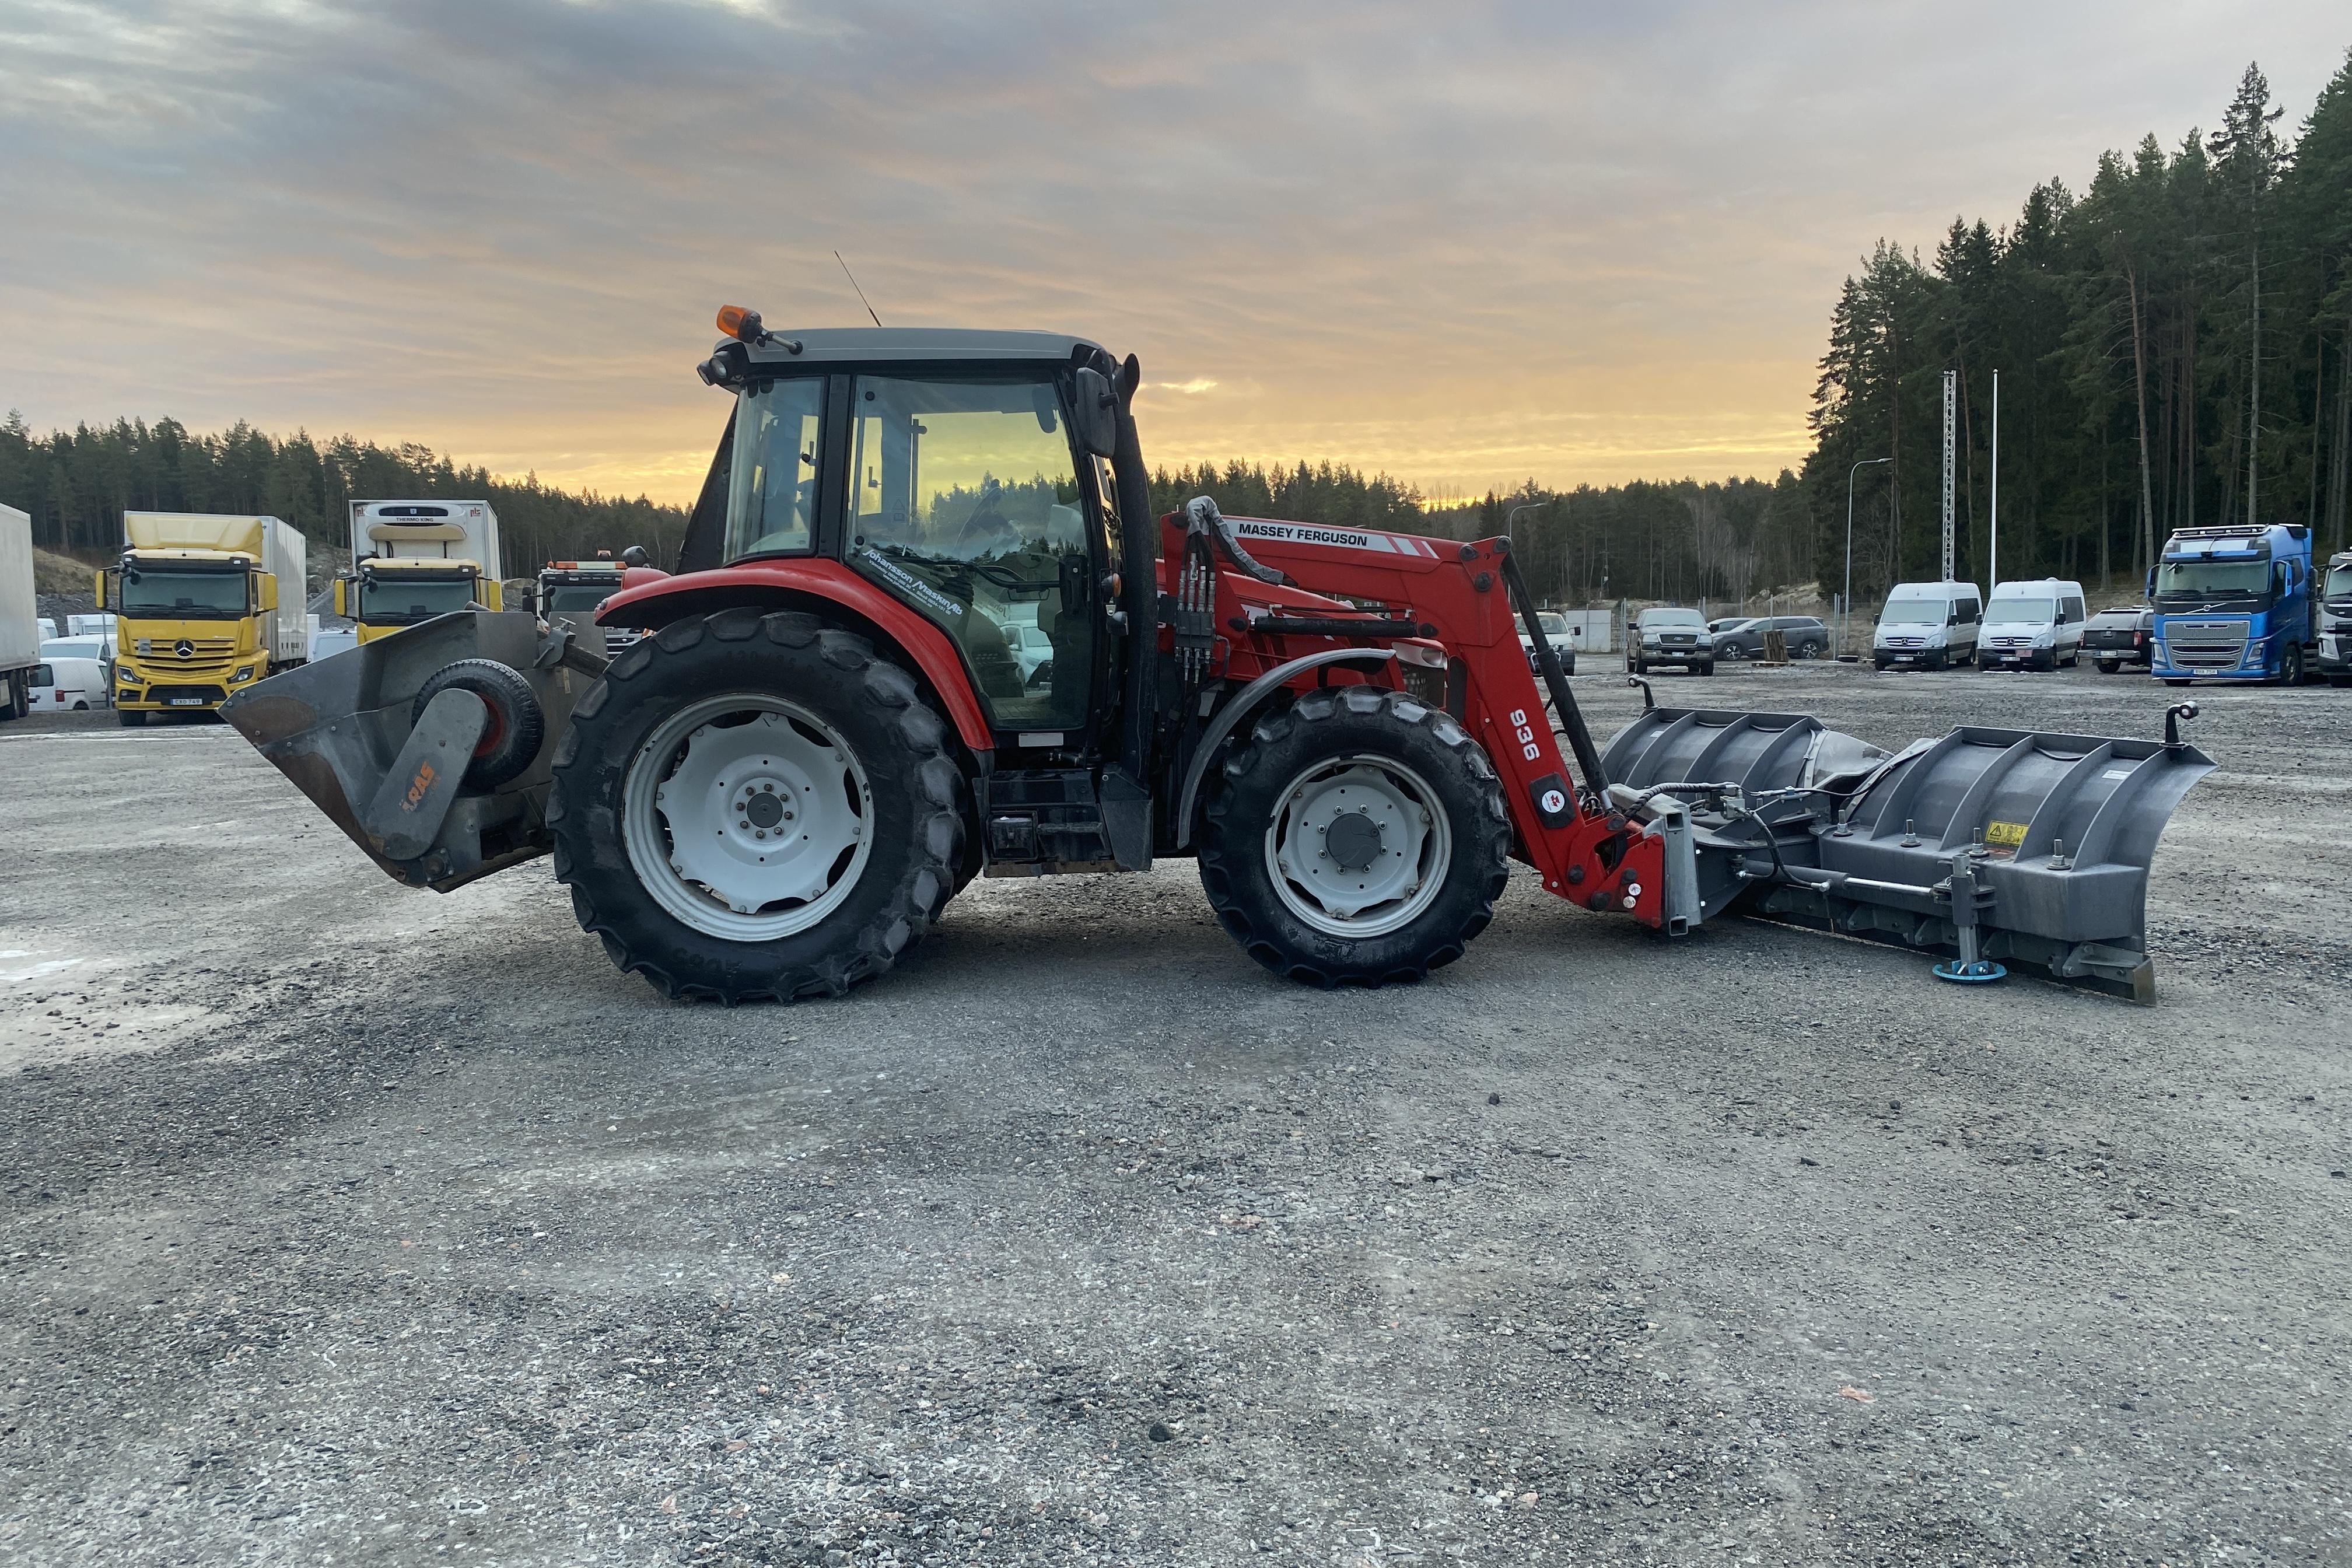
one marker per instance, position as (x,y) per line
(965,502)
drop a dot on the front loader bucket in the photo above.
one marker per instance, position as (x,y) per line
(1995,846)
(346,727)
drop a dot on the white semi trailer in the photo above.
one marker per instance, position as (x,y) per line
(20,626)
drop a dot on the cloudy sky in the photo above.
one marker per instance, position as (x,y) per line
(1464,243)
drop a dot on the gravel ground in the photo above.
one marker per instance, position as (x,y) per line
(345,1224)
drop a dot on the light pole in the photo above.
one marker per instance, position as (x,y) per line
(1846,627)
(1993,572)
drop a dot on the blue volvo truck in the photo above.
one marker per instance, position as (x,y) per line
(2234,604)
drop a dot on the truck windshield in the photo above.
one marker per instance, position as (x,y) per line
(1649,618)
(2210,583)
(575,596)
(2339,583)
(183,595)
(1912,612)
(2009,611)
(1553,626)
(384,600)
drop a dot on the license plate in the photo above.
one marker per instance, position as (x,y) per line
(183,703)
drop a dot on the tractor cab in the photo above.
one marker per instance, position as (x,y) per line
(965,487)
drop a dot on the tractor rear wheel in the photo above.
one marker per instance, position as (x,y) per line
(756,807)
(1359,839)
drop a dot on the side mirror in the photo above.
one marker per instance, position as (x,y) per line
(493,592)
(265,590)
(100,591)
(1096,419)
(2147,589)
(342,597)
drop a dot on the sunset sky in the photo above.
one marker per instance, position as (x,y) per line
(1464,244)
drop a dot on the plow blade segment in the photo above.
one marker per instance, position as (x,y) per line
(340,727)
(1755,751)
(1999,847)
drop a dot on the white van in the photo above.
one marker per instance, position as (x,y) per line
(1927,626)
(91,645)
(327,641)
(69,685)
(2034,625)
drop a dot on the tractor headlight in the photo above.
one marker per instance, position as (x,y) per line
(2257,653)
(128,676)
(243,672)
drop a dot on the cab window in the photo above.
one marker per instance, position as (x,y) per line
(772,484)
(964,503)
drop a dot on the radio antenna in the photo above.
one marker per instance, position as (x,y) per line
(846,272)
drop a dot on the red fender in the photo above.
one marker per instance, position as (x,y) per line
(658,603)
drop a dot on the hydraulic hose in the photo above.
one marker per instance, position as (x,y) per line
(1571,717)
(1203,514)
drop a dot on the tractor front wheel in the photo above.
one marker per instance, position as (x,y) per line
(756,807)
(1359,840)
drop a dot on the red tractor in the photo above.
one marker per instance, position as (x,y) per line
(925,627)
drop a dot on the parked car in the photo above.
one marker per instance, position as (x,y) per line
(1722,624)
(1033,650)
(1555,632)
(327,641)
(2036,624)
(2124,635)
(1804,635)
(1670,636)
(90,646)
(69,685)
(1928,626)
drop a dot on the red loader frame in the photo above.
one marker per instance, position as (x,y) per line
(1459,596)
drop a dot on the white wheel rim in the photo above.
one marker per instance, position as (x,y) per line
(746,817)
(1358,846)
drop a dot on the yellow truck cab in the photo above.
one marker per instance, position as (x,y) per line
(197,595)
(413,560)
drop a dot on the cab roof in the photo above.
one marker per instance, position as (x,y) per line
(840,345)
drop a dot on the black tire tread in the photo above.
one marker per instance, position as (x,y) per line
(1262,940)
(853,952)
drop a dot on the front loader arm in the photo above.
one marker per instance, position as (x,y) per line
(1460,593)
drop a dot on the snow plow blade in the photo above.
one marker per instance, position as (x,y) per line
(402,778)
(1993,846)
